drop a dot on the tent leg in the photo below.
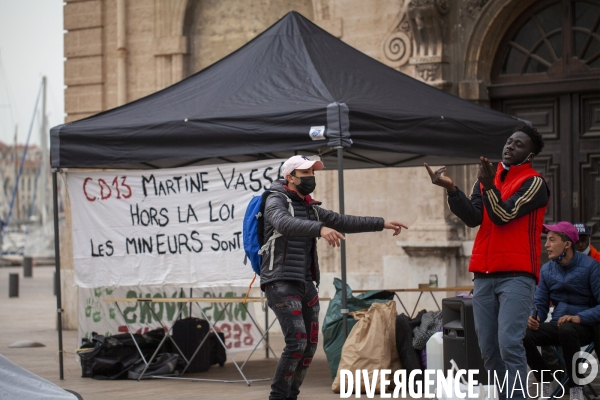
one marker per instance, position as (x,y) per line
(340,157)
(57,267)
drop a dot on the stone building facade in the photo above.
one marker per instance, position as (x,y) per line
(26,204)
(536,59)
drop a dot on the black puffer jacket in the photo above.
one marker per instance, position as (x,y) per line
(295,252)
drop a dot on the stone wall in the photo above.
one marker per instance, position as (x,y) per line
(85,58)
(437,41)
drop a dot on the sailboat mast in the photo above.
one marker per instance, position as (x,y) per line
(44,173)
(16,160)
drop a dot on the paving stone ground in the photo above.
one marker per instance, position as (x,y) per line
(32,316)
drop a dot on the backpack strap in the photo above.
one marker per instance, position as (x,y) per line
(271,241)
(316,212)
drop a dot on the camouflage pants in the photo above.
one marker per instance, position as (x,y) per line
(296,306)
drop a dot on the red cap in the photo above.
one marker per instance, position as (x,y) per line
(563,227)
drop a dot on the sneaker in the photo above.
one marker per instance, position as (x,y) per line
(576,393)
(546,390)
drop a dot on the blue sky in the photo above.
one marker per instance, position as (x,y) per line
(31,45)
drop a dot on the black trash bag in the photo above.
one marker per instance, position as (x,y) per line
(162,364)
(333,335)
(111,357)
(88,351)
(111,368)
(409,357)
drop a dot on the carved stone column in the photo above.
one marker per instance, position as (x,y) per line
(169,52)
(425,19)
(170,46)
(417,39)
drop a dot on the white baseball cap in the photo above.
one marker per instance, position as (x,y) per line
(301,162)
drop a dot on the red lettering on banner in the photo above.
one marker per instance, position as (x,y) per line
(105,189)
(237,329)
(306,362)
(103,184)
(226,329)
(129,192)
(85,191)
(313,301)
(115,183)
(235,334)
(248,339)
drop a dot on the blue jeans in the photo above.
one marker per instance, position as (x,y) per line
(501,307)
(296,306)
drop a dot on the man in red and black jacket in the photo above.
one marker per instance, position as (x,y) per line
(508,204)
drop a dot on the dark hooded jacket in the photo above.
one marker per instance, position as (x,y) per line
(295,252)
(574,289)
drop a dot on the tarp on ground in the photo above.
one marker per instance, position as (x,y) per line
(263,100)
(18,383)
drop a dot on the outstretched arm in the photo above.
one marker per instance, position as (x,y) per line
(470,211)
(396,226)
(278,214)
(349,223)
(333,237)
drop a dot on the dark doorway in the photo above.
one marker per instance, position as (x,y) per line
(547,70)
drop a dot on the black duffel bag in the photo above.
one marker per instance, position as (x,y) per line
(113,356)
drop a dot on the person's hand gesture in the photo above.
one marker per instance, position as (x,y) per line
(486,173)
(332,236)
(438,178)
(533,323)
(396,226)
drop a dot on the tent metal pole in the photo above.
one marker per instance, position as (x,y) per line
(340,157)
(59,309)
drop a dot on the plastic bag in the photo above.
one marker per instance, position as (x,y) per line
(333,335)
(372,343)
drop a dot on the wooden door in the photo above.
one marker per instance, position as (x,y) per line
(547,71)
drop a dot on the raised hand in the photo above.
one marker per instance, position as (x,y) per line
(396,226)
(486,173)
(438,178)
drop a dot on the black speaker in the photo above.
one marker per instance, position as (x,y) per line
(460,339)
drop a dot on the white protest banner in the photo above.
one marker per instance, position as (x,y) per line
(96,315)
(178,227)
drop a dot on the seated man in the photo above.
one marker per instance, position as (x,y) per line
(583,245)
(571,281)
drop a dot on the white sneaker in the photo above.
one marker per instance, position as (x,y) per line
(546,390)
(576,393)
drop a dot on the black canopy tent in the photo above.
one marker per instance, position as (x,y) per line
(262,101)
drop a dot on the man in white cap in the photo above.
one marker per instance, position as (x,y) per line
(290,267)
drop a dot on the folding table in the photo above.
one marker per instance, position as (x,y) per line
(420,291)
(228,301)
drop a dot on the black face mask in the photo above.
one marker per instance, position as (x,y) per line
(307,185)
(562,255)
